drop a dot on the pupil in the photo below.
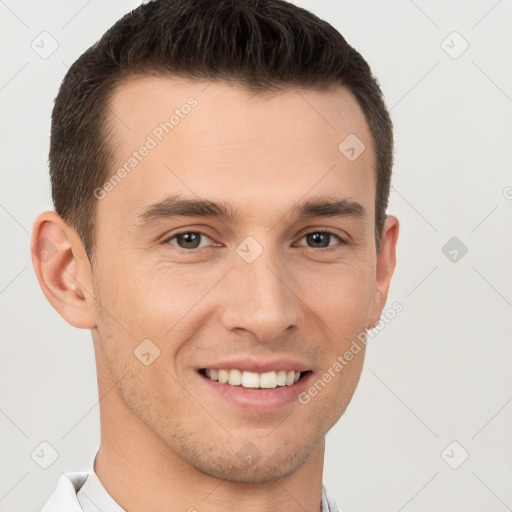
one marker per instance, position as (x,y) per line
(320,238)
(190,238)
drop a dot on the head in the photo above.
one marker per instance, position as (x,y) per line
(220,173)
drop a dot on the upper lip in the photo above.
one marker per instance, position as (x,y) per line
(258,365)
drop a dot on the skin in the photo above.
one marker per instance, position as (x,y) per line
(165,438)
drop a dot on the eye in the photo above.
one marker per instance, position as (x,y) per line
(192,239)
(321,239)
(188,239)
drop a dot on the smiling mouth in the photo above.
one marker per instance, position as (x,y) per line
(254,380)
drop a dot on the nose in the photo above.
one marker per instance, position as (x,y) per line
(259,297)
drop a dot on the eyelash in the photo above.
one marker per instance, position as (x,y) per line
(342,241)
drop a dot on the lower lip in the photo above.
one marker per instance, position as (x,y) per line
(257,399)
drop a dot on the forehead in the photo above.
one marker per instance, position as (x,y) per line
(220,142)
(144,100)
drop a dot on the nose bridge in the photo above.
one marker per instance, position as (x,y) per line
(259,294)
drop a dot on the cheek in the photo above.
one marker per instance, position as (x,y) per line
(342,297)
(167,306)
(158,301)
(147,301)
(164,299)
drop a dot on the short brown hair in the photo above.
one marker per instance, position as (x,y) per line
(262,45)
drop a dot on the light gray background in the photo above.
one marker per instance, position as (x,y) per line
(439,372)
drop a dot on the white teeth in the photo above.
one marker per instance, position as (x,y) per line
(235,377)
(281,378)
(250,380)
(267,380)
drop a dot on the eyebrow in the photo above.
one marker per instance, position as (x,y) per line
(176,206)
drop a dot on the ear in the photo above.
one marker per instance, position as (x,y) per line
(386,261)
(63,269)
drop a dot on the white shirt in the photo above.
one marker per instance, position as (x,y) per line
(84,492)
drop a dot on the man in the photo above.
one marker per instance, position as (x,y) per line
(220,173)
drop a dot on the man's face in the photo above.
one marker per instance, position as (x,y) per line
(263,286)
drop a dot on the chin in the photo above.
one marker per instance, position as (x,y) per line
(250,465)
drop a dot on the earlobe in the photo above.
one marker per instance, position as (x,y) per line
(62,269)
(386,261)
